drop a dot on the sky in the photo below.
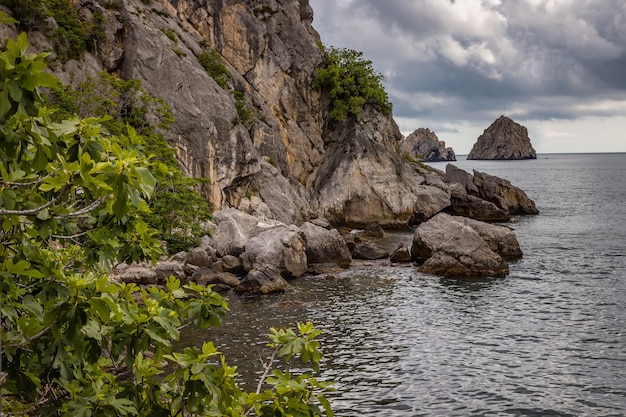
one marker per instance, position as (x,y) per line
(557,67)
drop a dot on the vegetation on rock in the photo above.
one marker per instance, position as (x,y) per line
(177,209)
(72,35)
(351,83)
(73,342)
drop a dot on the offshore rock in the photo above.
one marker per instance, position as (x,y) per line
(448,246)
(424,145)
(504,139)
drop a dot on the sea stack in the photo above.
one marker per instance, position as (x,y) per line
(504,140)
(423,144)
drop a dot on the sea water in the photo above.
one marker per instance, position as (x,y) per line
(547,340)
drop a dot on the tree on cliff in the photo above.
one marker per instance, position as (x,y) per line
(73,342)
(351,83)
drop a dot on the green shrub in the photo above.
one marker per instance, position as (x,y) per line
(245,116)
(177,208)
(72,36)
(171,35)
(212,63)
(75,343)
(351,83)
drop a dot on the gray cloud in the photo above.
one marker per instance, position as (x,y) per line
(468,61)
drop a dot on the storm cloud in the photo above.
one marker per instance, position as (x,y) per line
(455,64)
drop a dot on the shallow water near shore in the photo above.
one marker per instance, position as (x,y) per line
(547,340)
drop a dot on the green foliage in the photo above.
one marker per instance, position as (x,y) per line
(73,342)
(351,83)
(212,63)
(177,209)
(244,114)
(171,35)
(72,35)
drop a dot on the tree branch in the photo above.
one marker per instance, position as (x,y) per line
(83,211)
(32,212)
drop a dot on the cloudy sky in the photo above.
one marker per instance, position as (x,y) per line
(557,67)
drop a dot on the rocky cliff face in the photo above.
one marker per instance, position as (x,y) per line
(280,161)
(423,144)
(504,139)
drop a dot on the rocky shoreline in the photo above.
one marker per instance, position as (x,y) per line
(255,255)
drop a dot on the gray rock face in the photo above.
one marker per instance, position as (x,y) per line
(485,197)
(364,179)
(369,251)
(325,246)
(504,139)
(262,281)
(423,144)
(449,246)
(279,247)
(234,229)
(503,194)
(473,207)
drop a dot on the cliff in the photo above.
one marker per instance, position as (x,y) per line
(423,144)
(504,139)
(264,139)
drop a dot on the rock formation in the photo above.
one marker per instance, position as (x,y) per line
(456,246)
(485,197)
(504,139)
(283,163)
(424,145)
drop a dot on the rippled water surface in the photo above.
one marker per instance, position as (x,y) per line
(548,340)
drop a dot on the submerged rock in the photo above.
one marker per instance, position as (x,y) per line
(504,139)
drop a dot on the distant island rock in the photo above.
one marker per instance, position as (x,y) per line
(503,140)
(423,144)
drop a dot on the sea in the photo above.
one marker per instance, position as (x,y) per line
(549,339)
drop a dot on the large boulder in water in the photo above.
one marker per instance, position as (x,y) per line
(504,139)
(503,194)
(452,246)
(265,280)
(423,144)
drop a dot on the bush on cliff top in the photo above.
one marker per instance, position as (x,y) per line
(351,83)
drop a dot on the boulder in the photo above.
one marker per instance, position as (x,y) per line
(166,269)
(232,264)
(503,194)
(199,257)
(460,176)
(325,246)
(265,280)
(500,239)
(473,207)
(364,178)
(138,274)
(369,251)
(207,277)
(448,246)
(423,144)
(504,139)
(279,247)
(402,254)
(233,231)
